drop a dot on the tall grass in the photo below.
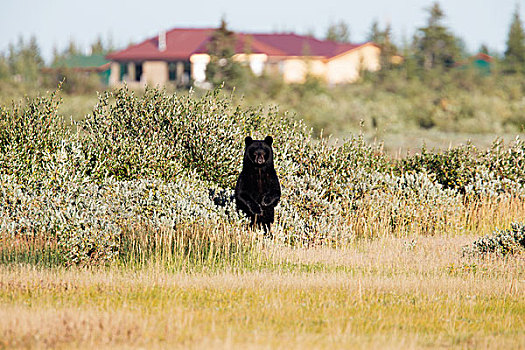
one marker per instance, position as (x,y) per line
(190,247)
(223,246)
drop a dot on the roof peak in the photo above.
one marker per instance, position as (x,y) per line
(191,29)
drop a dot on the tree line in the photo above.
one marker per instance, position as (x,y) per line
(432,50)
(432,47)
(23,62)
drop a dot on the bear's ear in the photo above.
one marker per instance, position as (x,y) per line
(248,141)
(268,140)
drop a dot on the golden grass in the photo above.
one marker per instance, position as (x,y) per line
(384,293)
(414,219)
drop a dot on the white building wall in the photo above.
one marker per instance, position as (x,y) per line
(154,73)
(198,67)
(114,75)
(346,67)
(256,61)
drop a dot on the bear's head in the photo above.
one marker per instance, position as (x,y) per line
(258,153)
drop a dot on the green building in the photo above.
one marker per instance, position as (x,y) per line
(92,64)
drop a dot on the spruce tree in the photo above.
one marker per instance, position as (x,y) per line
(339,32)
(4,68)
(222,68)
(484,49)
(24,60)
(515,53)
(98,48)
(375,34)
(435,45)
(383,38)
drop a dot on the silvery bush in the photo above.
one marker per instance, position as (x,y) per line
(500,242)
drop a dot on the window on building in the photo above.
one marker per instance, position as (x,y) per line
(138,71)
(123,71)
(179,72)
(172,71)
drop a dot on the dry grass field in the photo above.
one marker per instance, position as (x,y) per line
(384,293)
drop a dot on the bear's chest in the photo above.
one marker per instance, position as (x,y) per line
(259,181)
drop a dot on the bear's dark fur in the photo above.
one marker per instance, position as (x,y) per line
(258,190)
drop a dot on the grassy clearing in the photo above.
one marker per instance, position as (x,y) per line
(384,293)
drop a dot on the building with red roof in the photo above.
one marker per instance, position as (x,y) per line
(180,55)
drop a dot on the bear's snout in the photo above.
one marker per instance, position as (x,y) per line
(259,158)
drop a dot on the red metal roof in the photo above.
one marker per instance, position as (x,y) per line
(484,57)
(181,43)
(298,45)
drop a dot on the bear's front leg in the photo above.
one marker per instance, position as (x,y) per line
(255,208)
(252,205)
(270,200)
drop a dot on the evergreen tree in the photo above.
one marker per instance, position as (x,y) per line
(383,38)
(110,46)
(4,68)
(72,49)
(99,48)
(515,53)
(435,45)
(339,32)
(12,57)
(24,60)
(33,61)
(222,68)
(57,56)
(388,49)
(484,49)
(375,34)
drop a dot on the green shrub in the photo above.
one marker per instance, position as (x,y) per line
(454,168)
(156,135)
(29,135)
(506,162)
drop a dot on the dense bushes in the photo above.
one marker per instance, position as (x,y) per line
(468,170)
(454,168)
(159,162)
(29,135)
(158,135)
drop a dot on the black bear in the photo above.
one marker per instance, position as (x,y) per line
(258,190)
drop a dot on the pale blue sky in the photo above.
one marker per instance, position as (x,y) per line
(54,22)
